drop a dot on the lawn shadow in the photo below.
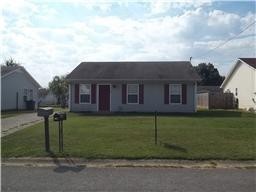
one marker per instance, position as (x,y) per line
(174,147)
(65,168)
(200,113)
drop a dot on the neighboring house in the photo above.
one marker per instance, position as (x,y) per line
(18,88)
(49,99)
(241,81)
(133,87)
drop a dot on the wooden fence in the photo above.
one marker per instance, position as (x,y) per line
(216,100)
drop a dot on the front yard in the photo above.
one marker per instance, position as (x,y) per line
(204,135)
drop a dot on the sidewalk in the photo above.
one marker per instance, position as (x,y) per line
(12,124)
(49,162)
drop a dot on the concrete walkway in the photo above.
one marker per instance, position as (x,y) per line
(13,124)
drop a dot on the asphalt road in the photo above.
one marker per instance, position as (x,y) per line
(126,179)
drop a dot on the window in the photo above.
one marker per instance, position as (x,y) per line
(85,93)
(133,93)
(25,95)
(175,93)
(236,92)
(31,94)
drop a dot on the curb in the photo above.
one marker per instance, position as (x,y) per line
(115,163)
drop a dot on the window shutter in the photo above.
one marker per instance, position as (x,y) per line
(141,94)
(166,94)
(124,90)
(184,94)
(77,93)
(93,93)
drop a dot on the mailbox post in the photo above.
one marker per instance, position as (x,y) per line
(46,112)
(60,117)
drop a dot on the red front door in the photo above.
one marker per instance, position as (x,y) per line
(104,97)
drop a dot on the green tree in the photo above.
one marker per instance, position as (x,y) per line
(59,87)
(209,74)
(42,93)
(11,62)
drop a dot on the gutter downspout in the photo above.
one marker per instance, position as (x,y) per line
(195,97)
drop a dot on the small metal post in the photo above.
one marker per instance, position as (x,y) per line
(47,136)
(155,127)
(59,138)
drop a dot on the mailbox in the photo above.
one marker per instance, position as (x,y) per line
(44,112)
(60,116)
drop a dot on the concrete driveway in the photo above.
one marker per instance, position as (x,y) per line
(13,124)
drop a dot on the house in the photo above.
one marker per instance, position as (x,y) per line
(241,81)
(133,87)
(47,98)
(18,89)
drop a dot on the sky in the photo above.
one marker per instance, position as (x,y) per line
(52,37)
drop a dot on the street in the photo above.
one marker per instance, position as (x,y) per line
(71,178)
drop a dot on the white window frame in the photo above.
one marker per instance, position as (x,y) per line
(85,94)
(170,93)
(127,93)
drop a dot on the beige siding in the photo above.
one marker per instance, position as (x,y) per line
(244,79)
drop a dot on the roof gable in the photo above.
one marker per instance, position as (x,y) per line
(8,70)
(5,70)
(161,70)
(248,61)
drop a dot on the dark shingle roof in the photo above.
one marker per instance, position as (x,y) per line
(164,70)
(7,69)
(249,61)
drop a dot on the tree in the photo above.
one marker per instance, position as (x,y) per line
(209,74)
(11,62)
(59,88)
(42,93)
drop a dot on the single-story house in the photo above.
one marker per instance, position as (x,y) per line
(19,90)
(133,87)
(241,81)
(48,99)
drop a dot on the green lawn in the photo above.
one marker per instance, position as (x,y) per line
(204,135)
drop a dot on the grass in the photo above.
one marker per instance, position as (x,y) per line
(200,136)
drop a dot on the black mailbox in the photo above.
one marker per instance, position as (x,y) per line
(60,116)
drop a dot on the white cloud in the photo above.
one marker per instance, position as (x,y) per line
(163,6)
(47,51)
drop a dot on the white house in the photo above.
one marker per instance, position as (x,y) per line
(241,81)
(18,88)
(133,87)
